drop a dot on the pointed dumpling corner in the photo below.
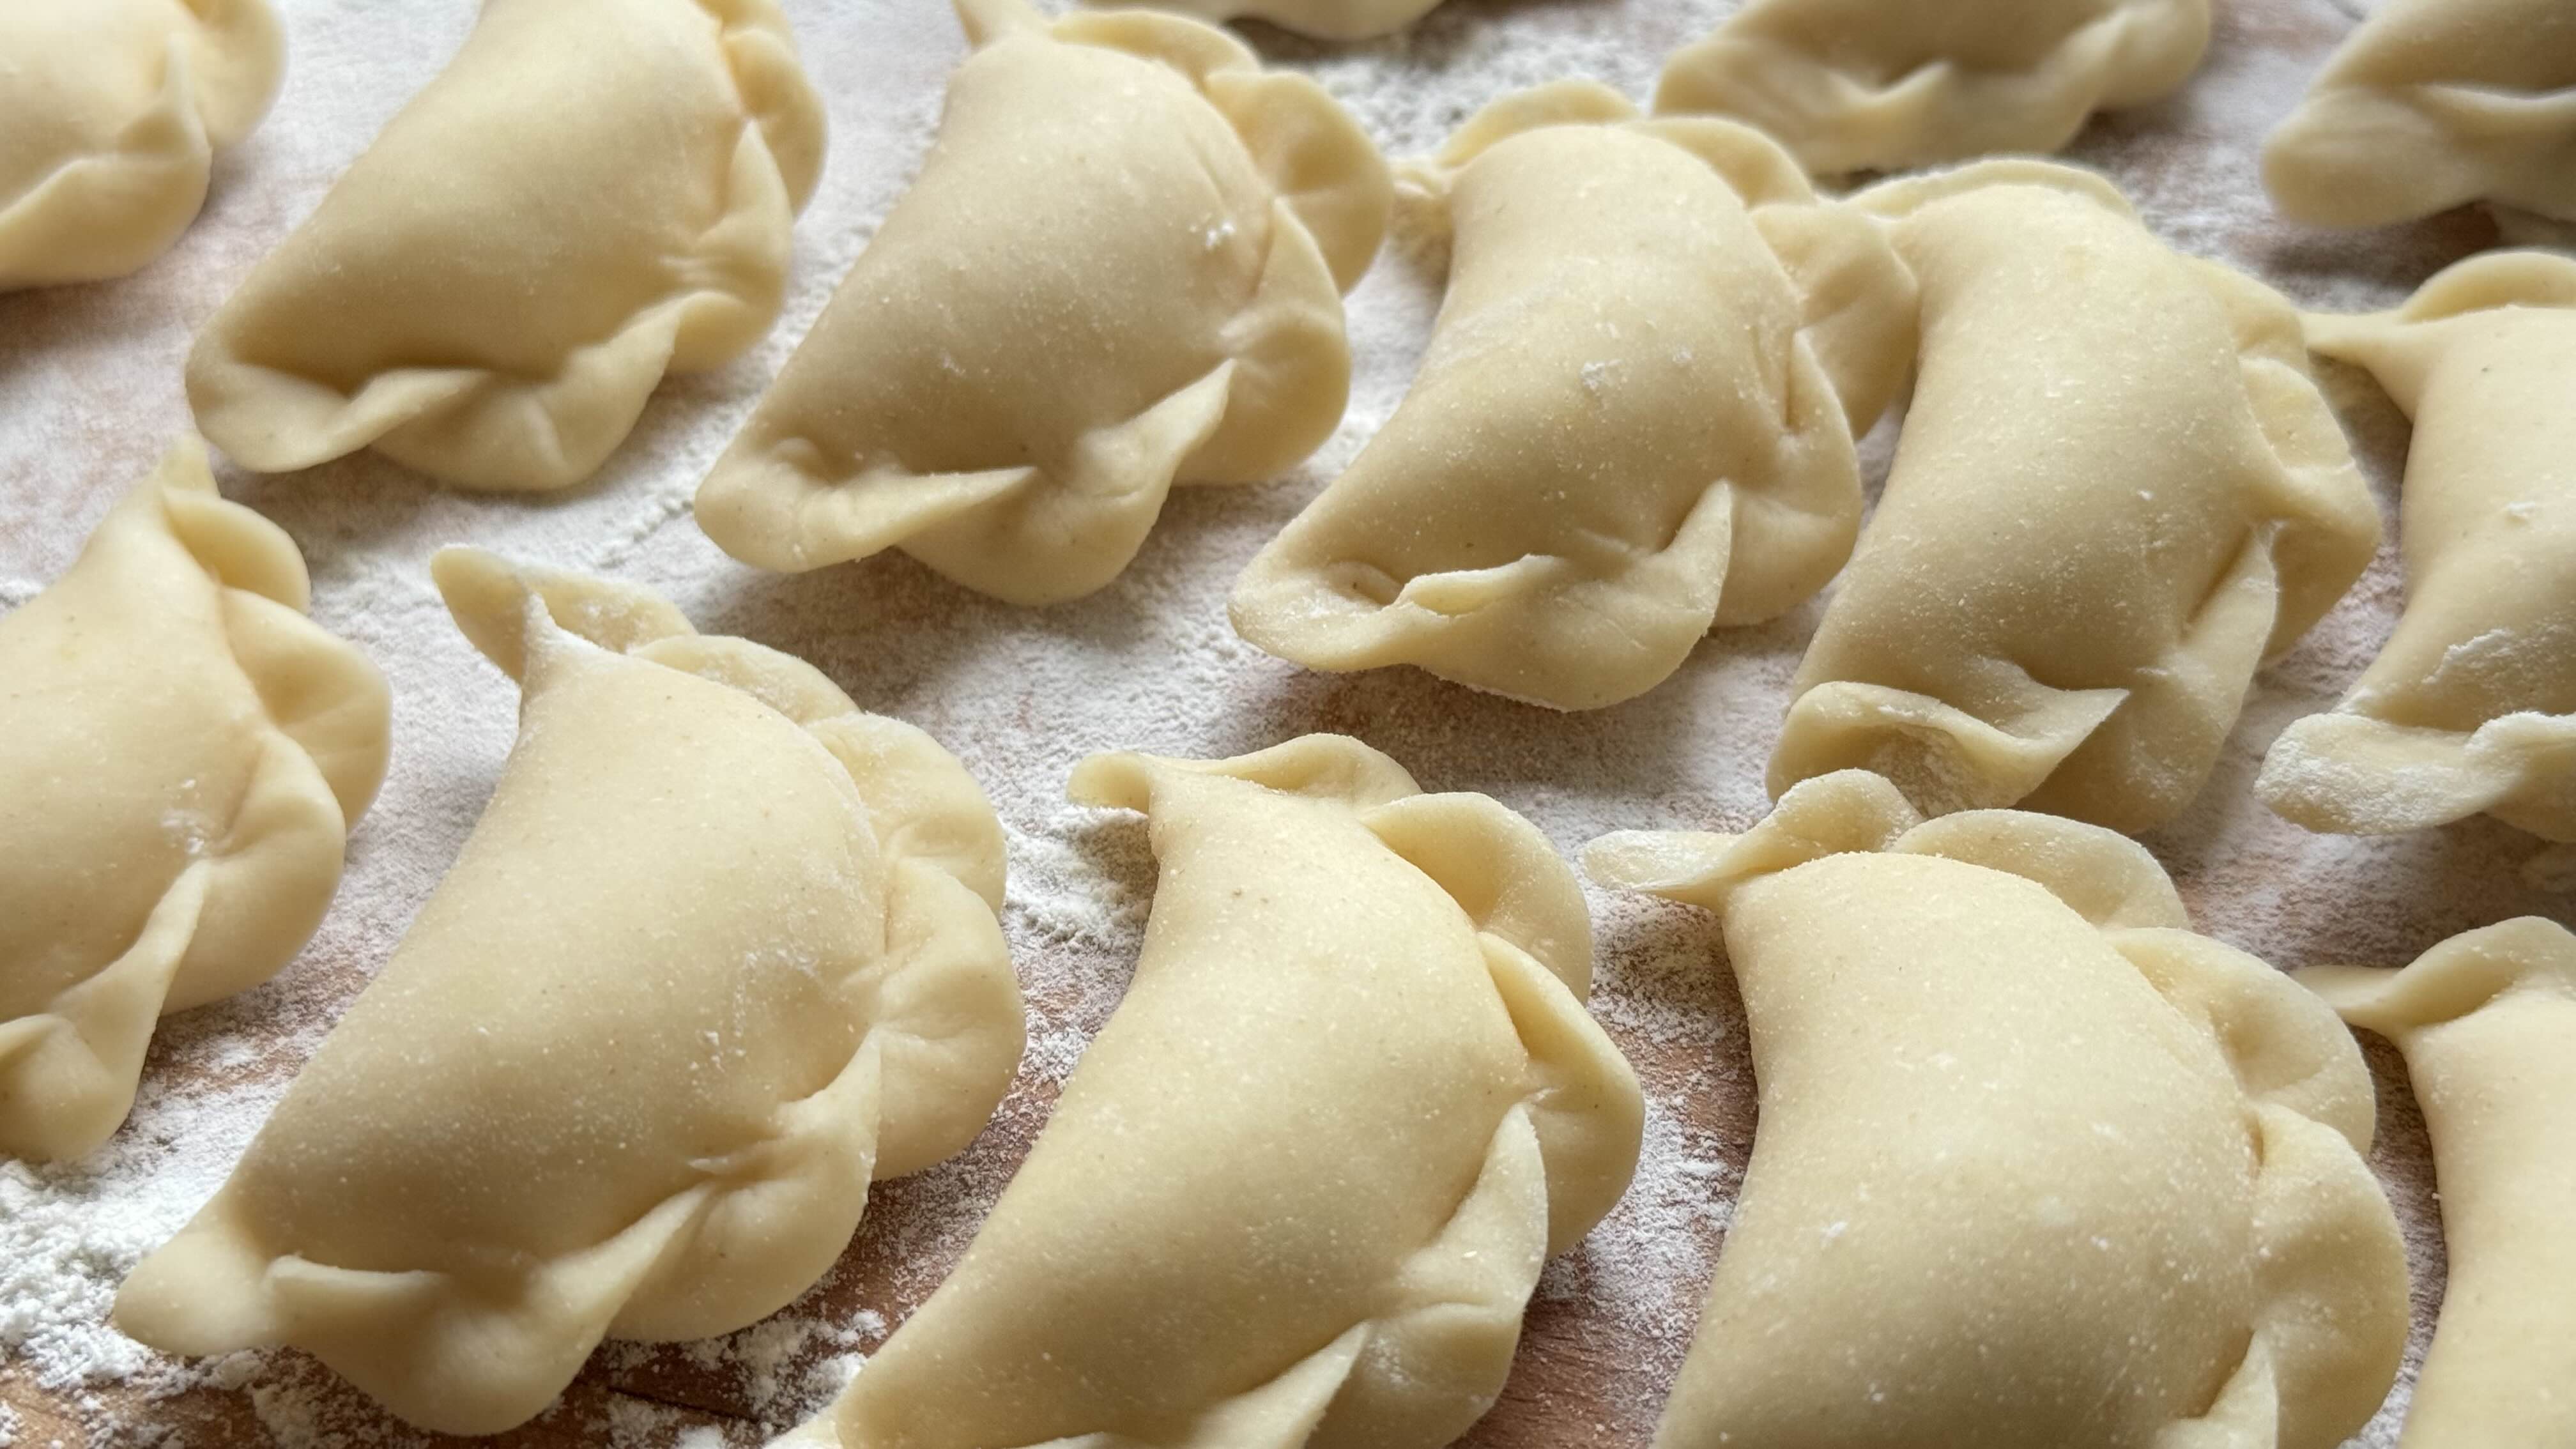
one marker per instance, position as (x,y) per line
(1121,268)
(110,114)
(2117,493)
(1353,1083)
(186,753)
(593,194)
(2430,104)
(721,950)
(2471,705)
(2037,1165)
(1884,85)
(1635,419)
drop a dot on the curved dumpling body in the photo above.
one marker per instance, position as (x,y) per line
(1631,423)
(110,114)
(1882,85)
(721,949)
(1121,267)
(2485,1020)
(184,755)
(1300,1186)
(2037,1166)
(594,193)
(2432,103)
(2471,706)
(2117,492)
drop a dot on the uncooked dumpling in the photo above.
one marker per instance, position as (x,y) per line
(1120,268)
(1635,418)
(1882,85)
(2037,1166)
(2117,493)
(721,950)
(110,114)
(594,193)
(2432,103)
(185,754)
(2485,1020)
(1299,1187)
(2472,705)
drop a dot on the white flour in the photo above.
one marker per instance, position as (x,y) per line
(89,396)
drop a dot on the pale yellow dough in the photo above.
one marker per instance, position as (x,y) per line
(1635,418)
(1120,268)
(2471,706)
(1298,1190)
(110,114)
(2117,493)
(2037,1166)
(184,756)
(1883,85)
(2486,1020)
(1323,19)
(593,194)
(721,950)
(2432,103)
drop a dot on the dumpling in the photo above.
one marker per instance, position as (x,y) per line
(2036,1165)
(2471,706)
(594,193)
(1299,1187)
(1322,19)
(1121,267)
(2432,103)
(2485,1020)
(1883,85)
(2117,493)
(184,755)
(721,950)
(110,114)
(1635,418)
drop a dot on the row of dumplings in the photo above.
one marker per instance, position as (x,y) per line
(2036,1164)
(2116,494)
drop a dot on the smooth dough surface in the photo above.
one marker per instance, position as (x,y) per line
(721,949)
(1883,85)
(2432,103)
(2471,705)
(2485,1020)
(1322,19)
(1635,419)
(185,754)
(1298,1190)
(2117,493)
(2036,1165)
(594,193)
(1121,267)
(110,114)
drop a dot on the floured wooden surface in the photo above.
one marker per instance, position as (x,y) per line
(90,395)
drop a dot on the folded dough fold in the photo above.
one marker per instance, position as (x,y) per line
(1635,420)
(2117,493)
(110,114)
(185,755)
(2432,103)
(721,949)
(1121,267)
(1322,19)
(2036,1164)
(1300,1186)
(2484,1020)
(593,194)
(1885,85)
(2471,705)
